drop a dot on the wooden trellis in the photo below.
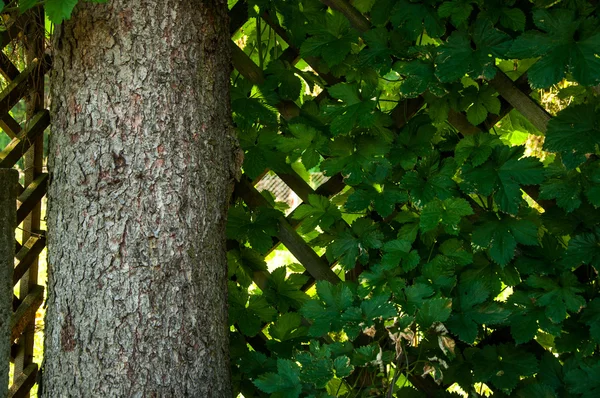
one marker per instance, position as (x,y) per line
(27,144)
(25,32)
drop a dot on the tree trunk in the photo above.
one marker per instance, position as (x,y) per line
(140,154)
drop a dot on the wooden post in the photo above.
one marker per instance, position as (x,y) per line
(8,222)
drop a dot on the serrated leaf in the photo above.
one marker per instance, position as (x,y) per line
(584,380)
(477,148)
(446,213)
(415,18)
(561,48)
(59,10)
(326,309)
(471,310)
(342,367)
(287,326)
(331,41)
(434,310)
(431,179)
(286,382)
(286,292)
(504,366)
(456,57)
(319,211)
(591,317)
(501,237)
(584,248)
(502,175)
(352,246)
(458,11)
(557,297)
(574,131)
(417,77)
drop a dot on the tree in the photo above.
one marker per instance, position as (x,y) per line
(140,157)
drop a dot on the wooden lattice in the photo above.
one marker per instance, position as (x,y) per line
(26,33)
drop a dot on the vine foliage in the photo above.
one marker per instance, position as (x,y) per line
(467,259)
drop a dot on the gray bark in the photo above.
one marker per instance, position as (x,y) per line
(8,223)
(140,154)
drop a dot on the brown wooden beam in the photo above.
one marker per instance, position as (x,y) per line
(32,196)
(20,145)
(25,314)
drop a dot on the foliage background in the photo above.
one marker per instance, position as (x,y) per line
(468,251)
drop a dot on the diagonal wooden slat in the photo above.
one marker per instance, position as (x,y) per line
(31,196)
(521,101)
(25,314)
(8,70)
(311,261)
(23,382)
(27,254)
(10,126)
(18,146)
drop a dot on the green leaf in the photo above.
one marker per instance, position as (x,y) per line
(306,142)
(476,148)
(446,213)
(558,297)
(284,292)
(574,131)
(431,179)
(479,103)
(249,312)
(283,80)
(471,310)
(399,251)
(326,309)
(288,326)
(359,160)
(378,53)
(512,18)
(414,19)
(563,46)
(591,317)
(414,141)
(434,310)
(332,39)
(383,202)
(286,382)
(319,211)
(342,367)
(584,380)
(23,5)
(352,246)
(501,237)
(458,11)
(59,10)
(456,58)
(256,227)
(504,366)
(354,112)
(418,76)
(584,248)
(502,175)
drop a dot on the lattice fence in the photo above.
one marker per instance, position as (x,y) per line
(25,35)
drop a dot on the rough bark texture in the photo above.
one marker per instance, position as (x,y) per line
(8,221)
(140,155)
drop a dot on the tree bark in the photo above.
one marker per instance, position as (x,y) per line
(140,160)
